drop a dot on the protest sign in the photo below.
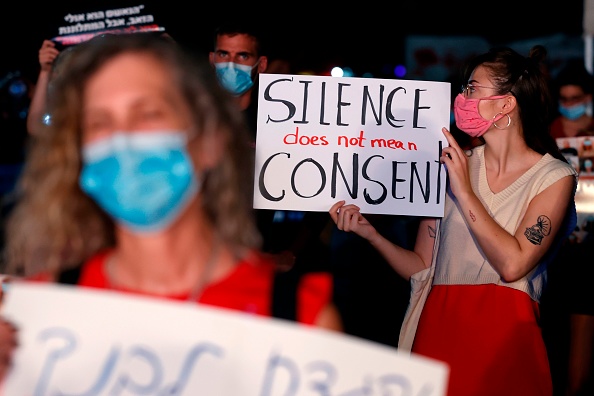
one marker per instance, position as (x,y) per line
(83,26)
(75,341)
(372,142)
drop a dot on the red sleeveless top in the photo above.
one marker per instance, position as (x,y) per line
(248,288)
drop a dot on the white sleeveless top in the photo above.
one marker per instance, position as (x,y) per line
(460,260)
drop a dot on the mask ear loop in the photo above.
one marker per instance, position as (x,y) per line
(508,121)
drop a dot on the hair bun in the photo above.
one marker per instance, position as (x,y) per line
(538,53)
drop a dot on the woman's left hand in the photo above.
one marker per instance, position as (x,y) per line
(8,343)
(456,162)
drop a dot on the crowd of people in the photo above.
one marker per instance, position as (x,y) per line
(111,116)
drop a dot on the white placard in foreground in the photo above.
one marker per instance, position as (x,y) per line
(77,341)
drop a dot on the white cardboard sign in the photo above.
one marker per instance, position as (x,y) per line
(372,142)
(76,341)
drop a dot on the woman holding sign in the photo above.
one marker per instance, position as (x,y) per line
(508,204)
(144,177)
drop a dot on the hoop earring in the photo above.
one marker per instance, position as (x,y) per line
(508,121)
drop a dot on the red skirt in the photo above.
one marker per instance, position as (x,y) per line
(489,336)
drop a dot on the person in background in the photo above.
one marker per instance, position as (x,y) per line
(144,177)
(566,305)
(292,238)
(238,56)
(568,315)
(51,61)
(573,87)
(508,204)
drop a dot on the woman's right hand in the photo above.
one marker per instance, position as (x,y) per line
(8,343)
(349,218)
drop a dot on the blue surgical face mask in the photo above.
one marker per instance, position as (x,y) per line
(143,180)
(234,77)
(573,112)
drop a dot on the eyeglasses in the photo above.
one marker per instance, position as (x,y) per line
(470,88)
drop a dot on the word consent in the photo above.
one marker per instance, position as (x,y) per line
(408,180)
(281,374)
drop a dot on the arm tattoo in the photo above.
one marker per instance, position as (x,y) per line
(432,232)
(472,216)
(538,231)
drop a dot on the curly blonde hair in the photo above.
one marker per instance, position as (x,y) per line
(55,225)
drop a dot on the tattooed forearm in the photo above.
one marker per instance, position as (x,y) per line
(538,231)
(432,232)
(472,216)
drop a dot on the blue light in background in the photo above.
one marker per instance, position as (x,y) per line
(17,88)
(347,72)
(400,71)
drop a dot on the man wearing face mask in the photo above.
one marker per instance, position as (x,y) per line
(292,238)
(237,58)
(573,86)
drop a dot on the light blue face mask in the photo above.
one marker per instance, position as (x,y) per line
(573,112)
(143,180)
(234,77)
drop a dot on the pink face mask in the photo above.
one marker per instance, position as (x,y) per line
(468,118)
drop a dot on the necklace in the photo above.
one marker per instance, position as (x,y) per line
(195,292)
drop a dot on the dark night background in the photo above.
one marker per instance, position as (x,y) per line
(365,35)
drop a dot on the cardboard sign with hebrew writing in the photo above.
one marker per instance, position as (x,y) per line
(76,341)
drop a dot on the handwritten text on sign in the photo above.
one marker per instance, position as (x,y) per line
(75,341)
(373,142)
